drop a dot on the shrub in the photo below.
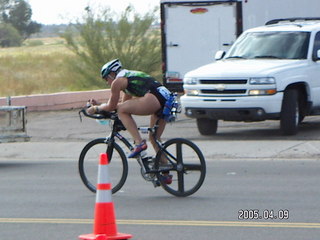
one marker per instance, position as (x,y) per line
(102,37)
(9,36)
(33,43)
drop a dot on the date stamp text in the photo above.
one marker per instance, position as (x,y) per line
(255,214)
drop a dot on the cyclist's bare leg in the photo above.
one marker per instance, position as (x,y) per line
(162,125)
(146,105)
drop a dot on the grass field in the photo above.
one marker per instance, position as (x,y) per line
(41,66)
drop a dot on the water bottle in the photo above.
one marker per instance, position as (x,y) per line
(103,121)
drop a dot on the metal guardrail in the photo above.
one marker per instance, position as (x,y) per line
(13,124)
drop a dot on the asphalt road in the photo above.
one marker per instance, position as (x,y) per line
(249,167)
(46,200)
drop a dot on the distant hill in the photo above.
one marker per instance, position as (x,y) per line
(50,31)
(55,30)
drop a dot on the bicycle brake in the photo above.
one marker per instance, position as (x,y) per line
(80,115)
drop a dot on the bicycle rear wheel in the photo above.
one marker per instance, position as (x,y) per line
(185,163)
(89,160)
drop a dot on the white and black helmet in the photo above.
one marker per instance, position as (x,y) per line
(112,66)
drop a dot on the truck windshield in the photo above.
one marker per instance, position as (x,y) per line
(274,45)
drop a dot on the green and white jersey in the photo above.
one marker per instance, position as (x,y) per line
(139,83)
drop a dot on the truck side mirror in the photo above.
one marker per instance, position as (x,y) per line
(219,55)
(316,56)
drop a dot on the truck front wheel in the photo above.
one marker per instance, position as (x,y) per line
(207,126)
(290,112)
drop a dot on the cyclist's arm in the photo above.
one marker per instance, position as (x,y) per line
(117,86)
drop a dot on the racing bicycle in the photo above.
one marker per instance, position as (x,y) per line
(184,160)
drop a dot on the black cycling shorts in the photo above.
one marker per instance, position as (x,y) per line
(162,100)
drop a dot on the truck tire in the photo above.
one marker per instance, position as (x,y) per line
(290,112)
(207,126)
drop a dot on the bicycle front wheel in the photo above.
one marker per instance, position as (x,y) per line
(89,161)
(185,162)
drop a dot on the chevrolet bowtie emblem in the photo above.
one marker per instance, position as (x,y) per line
(220,87)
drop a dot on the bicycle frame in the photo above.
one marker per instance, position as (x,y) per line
(110,139)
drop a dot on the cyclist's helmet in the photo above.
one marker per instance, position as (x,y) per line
(112,66)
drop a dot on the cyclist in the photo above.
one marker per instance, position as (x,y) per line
(143,95)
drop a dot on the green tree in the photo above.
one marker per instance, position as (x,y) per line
(9,36)
(19,14)
(103,37)
(5,5)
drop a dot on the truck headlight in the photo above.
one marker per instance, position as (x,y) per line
(189,81)
(191,92)
(256,92)
(262,80)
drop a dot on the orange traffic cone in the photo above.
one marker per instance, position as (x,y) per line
(105,227)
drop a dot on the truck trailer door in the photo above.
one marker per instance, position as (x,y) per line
(192,34)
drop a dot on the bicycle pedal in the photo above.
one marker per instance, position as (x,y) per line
(156,183)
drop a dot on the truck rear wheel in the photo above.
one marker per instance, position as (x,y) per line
(290,112)
(207,126)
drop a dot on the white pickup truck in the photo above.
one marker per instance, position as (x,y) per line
(270,72)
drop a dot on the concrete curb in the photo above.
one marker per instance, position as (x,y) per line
(57,101)
(213,151)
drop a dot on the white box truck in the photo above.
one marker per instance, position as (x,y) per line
(192,31)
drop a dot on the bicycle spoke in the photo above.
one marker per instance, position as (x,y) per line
(181,188)
(179,153)
(192,167)
(181,182)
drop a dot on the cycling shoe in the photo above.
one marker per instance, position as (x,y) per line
(138,149)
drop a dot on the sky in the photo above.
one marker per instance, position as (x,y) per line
(65,11)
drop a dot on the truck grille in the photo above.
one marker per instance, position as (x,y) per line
(231,91)
(223,87)
(223,81)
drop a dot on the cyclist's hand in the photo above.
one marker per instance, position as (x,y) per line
(91,110)
(92,102)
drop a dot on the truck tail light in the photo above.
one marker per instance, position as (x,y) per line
(173,77)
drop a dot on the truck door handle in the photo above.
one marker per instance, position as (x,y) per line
(173,44)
